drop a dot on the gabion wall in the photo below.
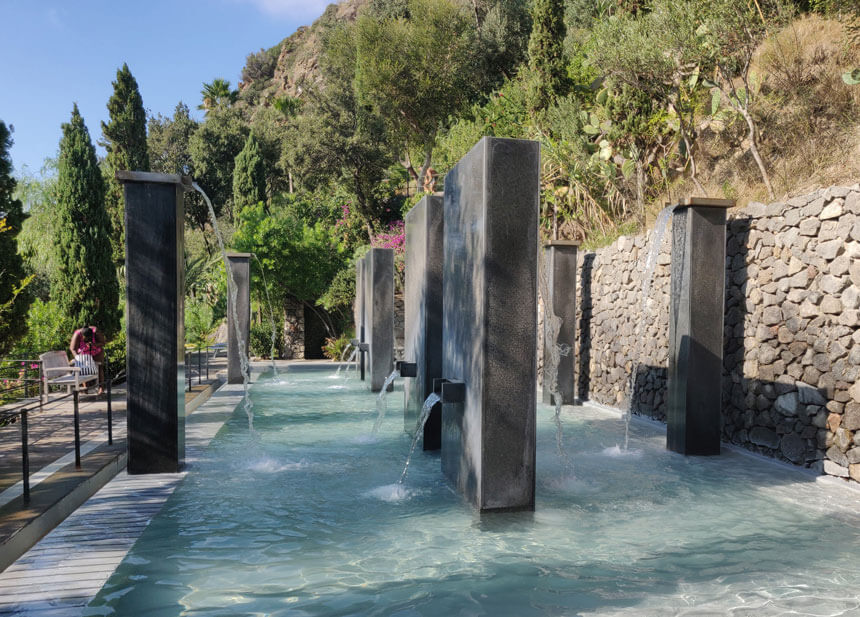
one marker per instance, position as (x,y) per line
(792,329)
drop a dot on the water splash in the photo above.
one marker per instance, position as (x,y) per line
(551,329)
(244,363)
(271,319)
(660,227)
(426,408)
(382,403)
(342,356)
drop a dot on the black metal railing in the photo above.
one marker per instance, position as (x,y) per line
(202,365)
(21,414)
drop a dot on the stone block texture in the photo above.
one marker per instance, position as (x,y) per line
(791,334)
(490,323)
(423,314)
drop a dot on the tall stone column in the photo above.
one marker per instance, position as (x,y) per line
(360,311)
(423,302)
(560,262)
(697,305)
(155,293)
(379,314)
(238,345)
(489,331)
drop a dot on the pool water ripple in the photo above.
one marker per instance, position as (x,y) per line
(307,520)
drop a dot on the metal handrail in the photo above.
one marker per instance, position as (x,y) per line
(23,414)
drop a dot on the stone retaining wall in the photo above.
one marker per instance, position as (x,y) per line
(792,329)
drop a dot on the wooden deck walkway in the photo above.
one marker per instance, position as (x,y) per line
(62,573)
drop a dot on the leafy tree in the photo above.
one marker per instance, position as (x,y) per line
(84,284)
(417,74)
(299,260)
(168,141)
(36,240)
(217,95)
(125,142)
(13,302)
(546,53)
(214,147)
(249,176)
(336,139)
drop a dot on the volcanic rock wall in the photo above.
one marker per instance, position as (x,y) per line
(792,329)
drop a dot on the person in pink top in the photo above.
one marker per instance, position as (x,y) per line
(89,341)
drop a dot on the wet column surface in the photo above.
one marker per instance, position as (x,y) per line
(240,266)
(155,293)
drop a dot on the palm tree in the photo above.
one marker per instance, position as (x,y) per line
(217,94)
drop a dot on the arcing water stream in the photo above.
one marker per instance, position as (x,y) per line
(381,403)
(660,227)
(247,404)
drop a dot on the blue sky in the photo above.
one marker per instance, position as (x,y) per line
(54,53)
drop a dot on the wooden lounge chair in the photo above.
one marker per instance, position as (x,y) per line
(56,371)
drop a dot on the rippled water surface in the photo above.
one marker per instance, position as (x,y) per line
(309,520)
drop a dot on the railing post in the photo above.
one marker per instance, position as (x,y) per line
(42,385)
(207,362)
(199,367)
(109,406)
(77,432)
(25,457)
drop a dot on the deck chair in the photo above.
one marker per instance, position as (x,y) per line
(56,371)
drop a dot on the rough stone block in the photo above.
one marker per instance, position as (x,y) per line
(238,344)
(155,292)
(696,327)
(490,323)
(423,297)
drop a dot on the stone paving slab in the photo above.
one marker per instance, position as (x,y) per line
(65,570)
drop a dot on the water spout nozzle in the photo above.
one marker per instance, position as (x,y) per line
(187,182)
(450,390)
(354,342)
(406,369)
(364,346)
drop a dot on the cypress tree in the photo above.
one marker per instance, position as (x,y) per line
(84,284)
(249,176)
(125,142)
(13,303)
(546,53)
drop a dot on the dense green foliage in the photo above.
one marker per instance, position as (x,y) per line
(249,176)
(14,301)
(336,131)
(125,142)
(83,284)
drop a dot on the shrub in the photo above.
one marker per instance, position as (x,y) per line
(333,348)
(261,341)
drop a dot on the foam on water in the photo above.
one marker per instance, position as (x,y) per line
(389,492)
(617,451)
(270,465)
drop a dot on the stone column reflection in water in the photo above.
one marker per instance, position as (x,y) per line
(155,292)
(240,265)
(378,274)
(560,262)
(423,304)
(490,323)
(696,326)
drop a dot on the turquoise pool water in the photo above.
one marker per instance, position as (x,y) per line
(304,520)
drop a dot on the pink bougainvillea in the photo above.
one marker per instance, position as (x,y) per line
(394,238)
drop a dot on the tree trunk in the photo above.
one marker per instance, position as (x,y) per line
(428,155)
(755,153)
(688,145)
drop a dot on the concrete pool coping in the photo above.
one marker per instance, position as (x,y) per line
(66,569)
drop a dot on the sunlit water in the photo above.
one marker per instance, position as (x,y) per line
(310,520)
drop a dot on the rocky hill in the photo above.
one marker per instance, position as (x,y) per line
(282,69)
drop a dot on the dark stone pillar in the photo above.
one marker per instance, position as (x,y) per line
(379,314)
(560,259)
(423,303)
(240,266)
(696,326)
(155,293)
(490,323)
(360,312)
